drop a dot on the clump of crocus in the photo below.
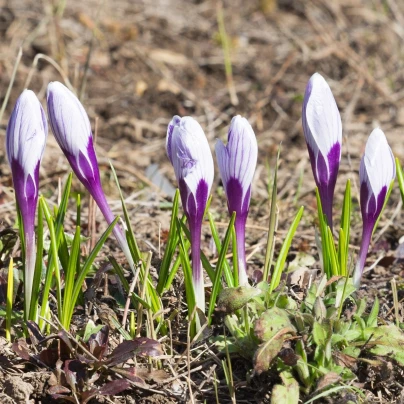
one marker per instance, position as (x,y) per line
(237,162)
(377,171)
(323,132)
(71,127)
(190,155)
(26,136)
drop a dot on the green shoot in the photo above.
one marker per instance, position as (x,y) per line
(9,304)
(280,262)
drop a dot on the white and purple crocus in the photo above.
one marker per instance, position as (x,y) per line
(377,171)
(26,136)
(71,127)
(190,155)
(323,132)
(237,162)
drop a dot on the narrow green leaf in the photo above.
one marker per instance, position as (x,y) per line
(269,252)
(280,263)
(346,218)
(38,268)
(324,236)
(372,319)
(87,265)
(342,257)
(332,253)
(384,205)
(400,178)
(151,294)
(9,303)
(219,268)
(227,271)
(70,274)
(54,254)
(235,256)
(170,248)
(189,287)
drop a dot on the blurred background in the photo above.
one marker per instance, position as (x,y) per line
(135,64)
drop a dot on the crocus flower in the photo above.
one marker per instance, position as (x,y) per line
(323,132)
(71,127)
(190,155)
(26,136)
(377,171)
(237,162)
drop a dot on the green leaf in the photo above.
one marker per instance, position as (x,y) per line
(319,334)
(288,393)
(269,252)
(400,178)
(372,319)
(152,295)
(87,266)
(189,286)
(271,322)
(280,262)
(332,252)
(267,352)
(345,230)
(90,329)
(324,237)
(232,299)
(227,271)
(170,248)
(38,268)
(70,274)
(384,205)
(219,267)
(387,340)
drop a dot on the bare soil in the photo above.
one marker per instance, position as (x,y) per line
(138,63)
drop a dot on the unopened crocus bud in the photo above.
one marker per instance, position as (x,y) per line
(71,127)
(323,132)
(190,155)
(237,162)
(26,136)
(377,171)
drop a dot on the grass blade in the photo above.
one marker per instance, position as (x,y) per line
(9,304)
(400,178)
(70,274)
(219,268)
(38,268)
(269,253)
(189,287)
(226,267)
(170,248)
(280,262)
(151,294)
(87,266)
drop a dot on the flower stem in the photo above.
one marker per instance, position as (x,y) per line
(195,227)
(102,203)
(29,271)
(241,258)
(360,265)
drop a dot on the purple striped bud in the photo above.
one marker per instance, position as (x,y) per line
(190,155)
(377,171)
(26,136)
(323,132)
(237,162)
(71,127)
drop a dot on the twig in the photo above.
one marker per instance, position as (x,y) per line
(53,63)
(10,86)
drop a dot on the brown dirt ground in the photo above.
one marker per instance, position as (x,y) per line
(153,59)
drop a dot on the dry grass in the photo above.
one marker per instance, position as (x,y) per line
(138,63)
